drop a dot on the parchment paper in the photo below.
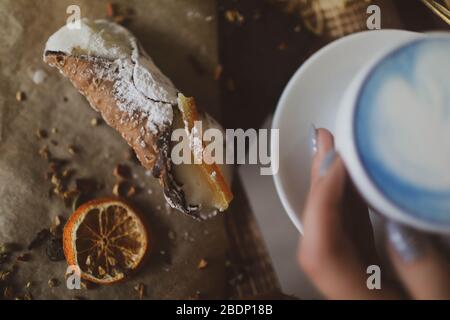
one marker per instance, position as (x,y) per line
(182,42)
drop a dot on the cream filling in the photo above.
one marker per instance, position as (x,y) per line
(192,180)
(98,38)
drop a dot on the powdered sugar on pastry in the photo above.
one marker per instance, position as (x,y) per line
(139,86)
(107,65)
(130,99)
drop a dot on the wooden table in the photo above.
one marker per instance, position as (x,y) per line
(258,57)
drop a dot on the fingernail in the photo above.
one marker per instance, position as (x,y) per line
(408,244)
(327,162)
(312,136)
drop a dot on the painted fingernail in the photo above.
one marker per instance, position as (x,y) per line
(408,244)
(327,162)
(312,136)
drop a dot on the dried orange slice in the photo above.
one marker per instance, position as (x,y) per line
(211,172)
(106,239)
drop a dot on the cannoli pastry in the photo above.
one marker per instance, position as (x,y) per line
(106,63)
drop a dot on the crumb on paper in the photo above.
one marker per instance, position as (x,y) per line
(122,171)
(39,76)
(73,150)
(8,292)
(20,96)
(140,289)
(41,134)
(53,283)
(44,152)
(110,12)
(117,190)
(124,189)
(193,14)
(95,122)
(24,257)
(120,19)
(131,191)
(5,275)
(234,16)
(171,235)
(202,264)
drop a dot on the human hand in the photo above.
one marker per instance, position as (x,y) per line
(338,244)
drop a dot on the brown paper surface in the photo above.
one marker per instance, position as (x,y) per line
(183,44)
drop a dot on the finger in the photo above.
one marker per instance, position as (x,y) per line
(324,204)
(322,141)
(422,269)
(358,226)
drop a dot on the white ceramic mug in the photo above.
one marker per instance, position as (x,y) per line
(347,146)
